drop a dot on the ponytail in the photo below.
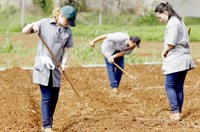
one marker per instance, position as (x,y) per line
(167,7)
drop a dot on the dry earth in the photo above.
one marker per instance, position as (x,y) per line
(141,106)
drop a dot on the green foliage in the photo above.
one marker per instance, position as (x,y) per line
(192,21)
(16,27)
(46,5)
(78,4)
(107,19)
(147,19)
(84,54)
(195,33)
(10,19)
(6,48)
(7,12)
(145,32)
(17,47)
(90,29)
(133,58)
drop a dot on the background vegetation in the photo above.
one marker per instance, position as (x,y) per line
(146,26)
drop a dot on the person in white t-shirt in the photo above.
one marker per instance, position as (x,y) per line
(176,56)
(114,47)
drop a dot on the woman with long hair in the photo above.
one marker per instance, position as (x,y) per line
(176,56)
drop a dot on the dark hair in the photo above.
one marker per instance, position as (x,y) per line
(167,7)
(136,40)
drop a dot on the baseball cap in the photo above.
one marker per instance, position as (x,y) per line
(70,13)
(136,40)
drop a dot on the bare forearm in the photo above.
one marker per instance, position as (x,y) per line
(112,58)
(92,43)
(118,54)
(28,28)
(65,56)
(166,51)
(169,47)
(100,38)
(31,28)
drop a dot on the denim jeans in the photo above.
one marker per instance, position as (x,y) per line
(174,83)
(48,103)
(115,73)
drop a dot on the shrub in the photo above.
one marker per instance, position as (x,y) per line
(8,12)
(46,5)
(6,49)
(147,19)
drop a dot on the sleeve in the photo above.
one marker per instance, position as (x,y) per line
(171,34)
(40,23)
(69,43)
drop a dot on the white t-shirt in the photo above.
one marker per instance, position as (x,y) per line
(179,58)
(117,41)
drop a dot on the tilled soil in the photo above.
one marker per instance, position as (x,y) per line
(142,104)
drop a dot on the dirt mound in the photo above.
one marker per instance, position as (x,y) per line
(142,104)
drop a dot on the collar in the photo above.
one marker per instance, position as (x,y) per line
(52,21)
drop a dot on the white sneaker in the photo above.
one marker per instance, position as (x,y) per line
(48,130)
(115,90)
(176,117)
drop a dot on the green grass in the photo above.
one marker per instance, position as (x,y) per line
(10,19)
(84,55)
(147,33)
(13,51)
(6,48)
(92,18)
(87,29)
(192,21)
(87,24)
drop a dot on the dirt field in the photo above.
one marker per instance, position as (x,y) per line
(141,106)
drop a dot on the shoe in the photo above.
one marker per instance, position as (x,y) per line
(47,130)
(115,91)
(176,117)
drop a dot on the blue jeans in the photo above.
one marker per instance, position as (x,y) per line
(115,73)
(174,83)
(48,103)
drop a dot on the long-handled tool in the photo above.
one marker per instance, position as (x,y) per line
(115,64)
(63,72)
(189,30)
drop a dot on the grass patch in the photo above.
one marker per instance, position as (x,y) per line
(192,20)
(16,53)
(6,48)
(147,33)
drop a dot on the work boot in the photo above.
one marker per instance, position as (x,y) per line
(176,117)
